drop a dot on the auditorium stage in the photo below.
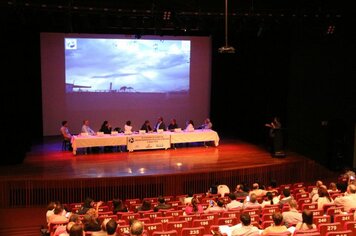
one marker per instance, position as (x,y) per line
(48,173)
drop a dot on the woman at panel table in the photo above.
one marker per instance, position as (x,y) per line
(190,126)
(105,127)
(128,127)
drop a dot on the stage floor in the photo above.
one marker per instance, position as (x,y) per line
(47,160)
(48,173)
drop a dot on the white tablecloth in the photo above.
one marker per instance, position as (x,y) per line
(144,141)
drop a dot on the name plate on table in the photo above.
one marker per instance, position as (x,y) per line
(141,142)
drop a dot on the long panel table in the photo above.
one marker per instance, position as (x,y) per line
(138,141)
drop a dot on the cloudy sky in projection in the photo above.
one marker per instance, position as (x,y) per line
(139,65)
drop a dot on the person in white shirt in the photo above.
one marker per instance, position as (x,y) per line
(128,127)
(86,128)
(349,200)
(234,204)
(190,126)
(245,228)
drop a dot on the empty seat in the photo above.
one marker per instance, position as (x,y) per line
(165,233)
(340,233)
(196,231)
(177,225)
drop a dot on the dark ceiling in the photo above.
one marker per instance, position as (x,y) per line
(194,17)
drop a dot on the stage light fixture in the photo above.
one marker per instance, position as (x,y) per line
(226,48)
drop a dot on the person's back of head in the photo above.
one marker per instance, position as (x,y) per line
(286,192)
(307,216)
(253,198)
(76,230)
(220,203)
(74,218)
(245,219)
(136,228)
(161,199)
(277,218)
(232,196)
(111,226)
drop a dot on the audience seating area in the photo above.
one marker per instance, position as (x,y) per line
(331,220)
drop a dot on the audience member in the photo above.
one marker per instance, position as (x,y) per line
(287,197)
(108,227)
(293,216)
(111,227)
(240,191)
(162,204)
(86,128)
(216,206)
(63,230)
(307,221)
(136,228)
(50,210)
(193,207)
(333,188)
(251,201)
(76,230)
(213,188)
(190,126)
(160,124)
(188,198)
(234,204)
(59,214)
(349,200)
(90,204)
(65,131)
(245,228)
(146,126)
(145,206)
(324,198)
(277,226)
(257,190)
(314,193)
(118,206)
(90,221)
(271,199)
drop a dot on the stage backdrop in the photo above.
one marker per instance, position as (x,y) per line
(119,78)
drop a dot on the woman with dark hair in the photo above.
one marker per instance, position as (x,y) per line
(194,207)
(324,198)
(105,127)
(118,206)
(146,206)
(307,222)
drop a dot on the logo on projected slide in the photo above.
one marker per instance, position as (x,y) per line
(131,140)
(70,44)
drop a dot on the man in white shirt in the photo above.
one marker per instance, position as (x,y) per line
(234,204)
(349,200)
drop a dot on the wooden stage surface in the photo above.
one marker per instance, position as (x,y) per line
(48,172)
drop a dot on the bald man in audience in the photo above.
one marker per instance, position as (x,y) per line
(349,200)
(136,228)
(256,190)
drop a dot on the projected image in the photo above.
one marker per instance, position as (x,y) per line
(127,65)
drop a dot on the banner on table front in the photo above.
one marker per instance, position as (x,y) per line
(140,142)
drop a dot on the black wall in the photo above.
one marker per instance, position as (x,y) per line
(284,65)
